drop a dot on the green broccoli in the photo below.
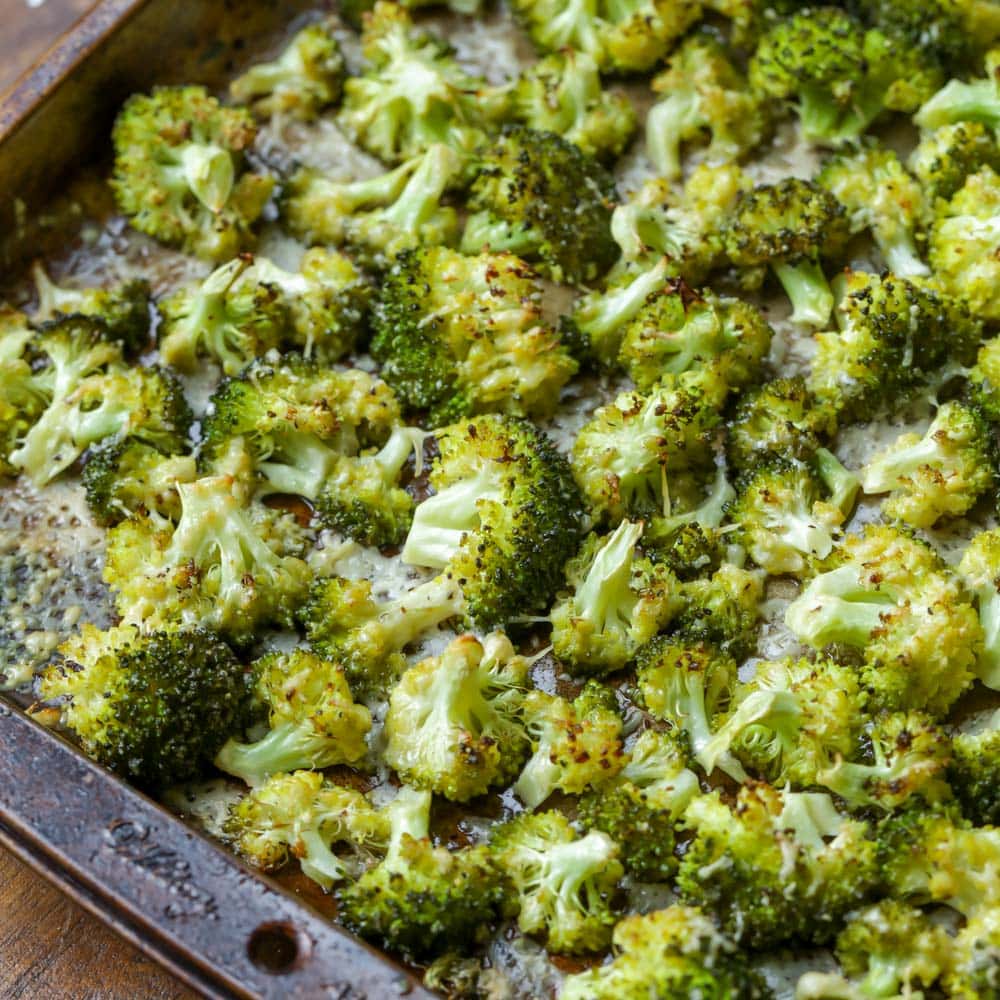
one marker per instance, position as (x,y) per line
(22,399)
(983,386)
(724,609)
(353,11)
(975,100)
(180,171)
(980,570)
(940,474)
(313,720)
(539,196)
(458,335)
(303,80)
(453,723)
(974,773)
(975,959)
(155,707)
(945,157)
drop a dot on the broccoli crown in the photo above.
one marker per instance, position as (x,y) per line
(893,336)
(704,96)
(154,707)
(123,308)
(541,197)
(881,197)
(459,335)
(180,173)
(678,329)
(974,772)
(504,518)
(783,520)
(563,883)
(778,418)
(453,724)
(776,866)
(301,815)
(562,93)
(619,601)
(673,953)
(891,597)
(975,959)
(313,720)
(940,474)
(965,244)
(413,94)
(22,398)
(724,609)
(306,77)
(574,745)
(984,380)
(980,570)
(935,26)
(945,157)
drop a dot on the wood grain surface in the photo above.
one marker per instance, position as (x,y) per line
(50,949)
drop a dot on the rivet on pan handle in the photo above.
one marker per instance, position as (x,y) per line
(180,898)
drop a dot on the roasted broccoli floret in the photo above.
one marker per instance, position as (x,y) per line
(459,335)
(122,308)
(313,720)
(180,171)
(630,35)
(353,11)
(940,474)
(790,226)
(422,900)
(22,398)
(704,97)
(562,93)
(945,157)
(975,100)
(574,745)
(892,598)
(306,77)
(539,196)
(880,197)
(965,244)
(563,883)
(302,815)
(413,94)
(974,774)
(975,959)
(673,953)
(776,866)
(155,707)
(453,724)
(980,569)
(619,601)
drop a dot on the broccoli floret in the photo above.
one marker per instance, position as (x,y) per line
(122,478)
(226,563)
(790,226)
(180,172)
(892,337)
(983,386)
(539,196)
(122,308)
(563,883)
(90,396)
(458,335)
(504,518)
(784,521)
(776,866)
(945,157)
(940,474)
(422,900)
(704,97)
(630,35)
(619,601)
(975,100)
(305,78)
(937,27)
(881,197)
(778,419)
(975,959)
(892,598)
(980,569)
(678,329)
(672,954)
(155,707)
(574,745)
(413,94)
(313,721)
(639,809)
(724,609)
(562,93)
(22,398)
(974,773)
(965,244)
(353,11)
(301,815)
(625,455)
(453,723)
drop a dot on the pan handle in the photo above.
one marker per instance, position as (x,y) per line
(223,929)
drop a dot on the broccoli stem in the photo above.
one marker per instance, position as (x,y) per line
(318,862)
(841,483)
(393,455)
(901,255)
(798,529)
(421,196)
(978,101)
(709,514)
(808,291)
(208,171)
(666,122)
(286,748)
(605,597)
(483,231)
(421,609)
(889,471)
(988,667)
(299,465)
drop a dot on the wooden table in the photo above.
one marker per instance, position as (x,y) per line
(50,949)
